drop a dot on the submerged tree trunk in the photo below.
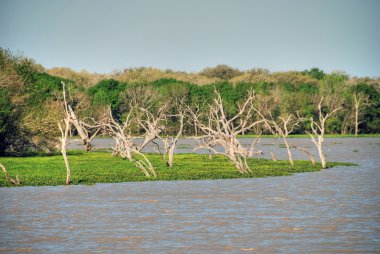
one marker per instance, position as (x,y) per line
(63,149)
(68,171)
(320,152)
(307,152)
(318,129)
(288,150)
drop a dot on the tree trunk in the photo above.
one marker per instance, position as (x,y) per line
(356,119)
(321,155)
(289,152)
(311,157)
(68,171)
(171,155)
(85,139)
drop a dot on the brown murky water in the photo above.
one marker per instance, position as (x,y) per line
(334,211)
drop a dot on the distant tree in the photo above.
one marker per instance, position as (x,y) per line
(315,73)
(222,71)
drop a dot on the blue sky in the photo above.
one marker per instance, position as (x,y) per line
(102,36)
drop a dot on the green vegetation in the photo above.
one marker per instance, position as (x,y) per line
(101,167)
(31,98)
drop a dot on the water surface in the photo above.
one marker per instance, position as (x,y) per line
(334,211)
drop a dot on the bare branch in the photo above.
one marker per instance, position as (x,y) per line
(223,132)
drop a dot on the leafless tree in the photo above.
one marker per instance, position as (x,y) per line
(124,142)
(223,132)
(318,130)
(83,129)
(282,128)
(360,103)
(170,142)
(152,123)
(65,132)
(7,176)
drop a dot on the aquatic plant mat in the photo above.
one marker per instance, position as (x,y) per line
(101,167)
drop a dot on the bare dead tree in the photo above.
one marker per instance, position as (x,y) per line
(306,151)
(170,142)
(152,124)
(282,128)
(318,130)
(83,129)
(120,133)
(124,142)
(65,131)
(8,177)
(360,103)
(223,132)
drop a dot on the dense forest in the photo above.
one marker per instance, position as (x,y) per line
(31,97)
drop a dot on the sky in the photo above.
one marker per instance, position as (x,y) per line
(189,35)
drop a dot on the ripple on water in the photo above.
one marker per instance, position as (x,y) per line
(334,211)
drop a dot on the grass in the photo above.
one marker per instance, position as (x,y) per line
(101,167)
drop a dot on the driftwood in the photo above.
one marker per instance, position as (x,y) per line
(10,179)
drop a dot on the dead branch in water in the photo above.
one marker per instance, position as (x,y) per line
(10,179)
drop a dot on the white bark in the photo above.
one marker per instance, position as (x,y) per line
(285,126)
(318,131)
(171,142)
(223,132)
(83,129)
(124,142)
(64,135)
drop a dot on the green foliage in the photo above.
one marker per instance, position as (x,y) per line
(315,73)
(107,93)
(101,167)
(222,72)
(333,83)
(29,96)
(5,119)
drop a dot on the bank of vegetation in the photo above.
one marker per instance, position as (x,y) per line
(40,109)
(50,170)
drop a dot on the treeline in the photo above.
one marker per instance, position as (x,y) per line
(31,97)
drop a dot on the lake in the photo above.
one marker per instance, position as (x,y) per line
(333,211)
